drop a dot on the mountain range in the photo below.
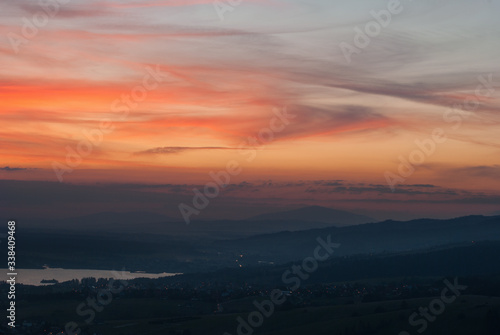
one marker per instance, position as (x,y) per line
(331,216)
(142,222)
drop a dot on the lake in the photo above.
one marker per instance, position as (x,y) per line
(35,276)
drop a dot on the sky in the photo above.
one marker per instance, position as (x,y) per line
(385,108)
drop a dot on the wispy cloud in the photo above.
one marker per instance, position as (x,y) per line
(223,81)
(484,171)
(176,150)
(13,169)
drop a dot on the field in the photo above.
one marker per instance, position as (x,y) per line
(467,315)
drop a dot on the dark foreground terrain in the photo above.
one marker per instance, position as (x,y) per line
(375,307)
(422,276)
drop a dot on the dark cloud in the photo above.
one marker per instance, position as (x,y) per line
(53,199)
(176,150)
(310,120)
(422,185)
(321,187)
(13,169)
(379,189)
(492,171)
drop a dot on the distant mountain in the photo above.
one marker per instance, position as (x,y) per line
(314,217)
(372,238)
(159,225)
(200,246)
(316,214)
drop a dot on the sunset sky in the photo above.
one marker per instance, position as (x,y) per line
(169,91)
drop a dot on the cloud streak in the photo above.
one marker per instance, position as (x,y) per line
(222,81)
(176,150)
(13,169)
